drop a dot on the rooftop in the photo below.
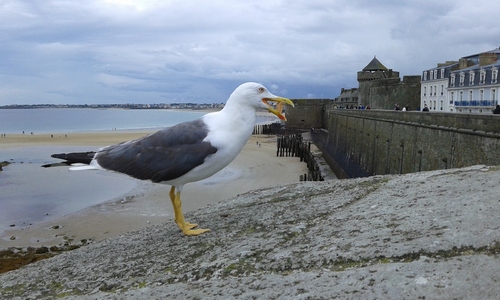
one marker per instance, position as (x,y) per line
(375,65)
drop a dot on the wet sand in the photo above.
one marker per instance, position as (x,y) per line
(255,167)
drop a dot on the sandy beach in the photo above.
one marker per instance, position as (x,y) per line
(255,167)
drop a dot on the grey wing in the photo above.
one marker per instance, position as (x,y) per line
(161,156)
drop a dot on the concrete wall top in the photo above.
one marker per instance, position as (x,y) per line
(485,123)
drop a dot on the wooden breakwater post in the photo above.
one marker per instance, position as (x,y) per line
(272,128)
(293,145)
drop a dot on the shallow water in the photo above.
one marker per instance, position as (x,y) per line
(30,194)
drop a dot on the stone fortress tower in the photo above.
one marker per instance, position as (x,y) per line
(381,88)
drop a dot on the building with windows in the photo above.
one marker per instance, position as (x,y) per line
(434,87)
(348,98)
(468,86)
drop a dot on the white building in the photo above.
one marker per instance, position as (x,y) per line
(468,86)
(434,87)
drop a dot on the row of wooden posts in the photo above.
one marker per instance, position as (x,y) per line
(293,146)
(273,128)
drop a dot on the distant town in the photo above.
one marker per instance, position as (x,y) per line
(193,106)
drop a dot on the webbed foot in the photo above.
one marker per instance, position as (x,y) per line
(194,232)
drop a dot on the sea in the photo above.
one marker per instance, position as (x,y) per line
(25,200)
(56,120)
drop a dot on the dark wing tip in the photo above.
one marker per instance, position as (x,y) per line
(75,157)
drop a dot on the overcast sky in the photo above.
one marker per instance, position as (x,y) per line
(164,51)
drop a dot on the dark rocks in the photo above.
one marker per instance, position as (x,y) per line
(3,164)
(42,250)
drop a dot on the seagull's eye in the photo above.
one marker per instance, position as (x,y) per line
(261,90)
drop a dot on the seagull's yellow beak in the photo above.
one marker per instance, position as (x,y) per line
(279,106)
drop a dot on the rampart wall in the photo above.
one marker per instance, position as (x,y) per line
(359,143)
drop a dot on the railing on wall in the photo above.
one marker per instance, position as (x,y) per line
(488,103)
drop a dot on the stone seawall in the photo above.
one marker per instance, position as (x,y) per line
(428,235)
(364,142)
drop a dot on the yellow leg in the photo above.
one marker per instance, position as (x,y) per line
(186,227)
(178,212)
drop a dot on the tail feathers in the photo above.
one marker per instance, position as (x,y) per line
(76,157)
(72,158)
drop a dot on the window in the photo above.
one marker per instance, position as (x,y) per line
(435,74)
(442,73)
(462,78)
(441,107)
(470,95)
(435,89)
(494,95)
(452,80)
(471,77)
(482,76)
(452,96)
(442,90)
(425,90)
(461,95)
(481,95)
(494,75)
(425,75)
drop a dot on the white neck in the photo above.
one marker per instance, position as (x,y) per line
(232,124)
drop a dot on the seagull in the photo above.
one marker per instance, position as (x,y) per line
(189,151)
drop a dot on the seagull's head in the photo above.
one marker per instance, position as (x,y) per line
(258,96)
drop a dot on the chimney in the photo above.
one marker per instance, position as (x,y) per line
(487,58)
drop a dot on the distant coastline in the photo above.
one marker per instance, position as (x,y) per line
(190,106)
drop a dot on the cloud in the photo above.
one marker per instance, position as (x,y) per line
(119,51)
